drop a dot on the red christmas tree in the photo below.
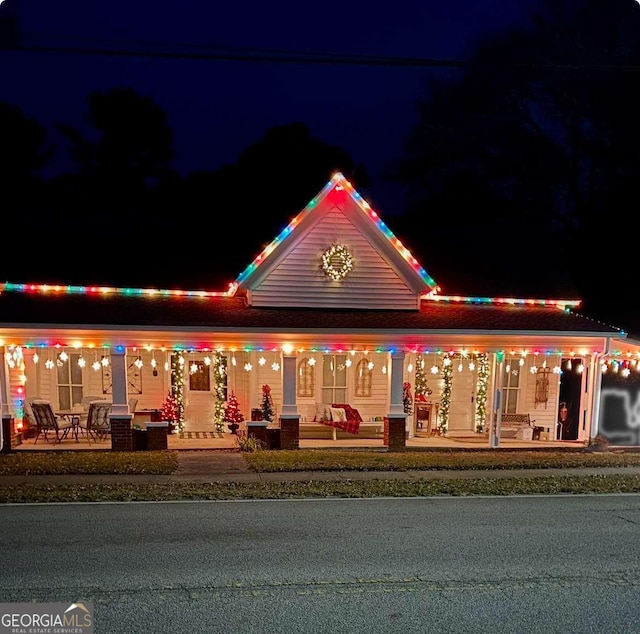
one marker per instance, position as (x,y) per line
(170,409)
(232,413)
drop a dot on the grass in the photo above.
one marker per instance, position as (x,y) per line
(166,463)
(89,462)
(336,460)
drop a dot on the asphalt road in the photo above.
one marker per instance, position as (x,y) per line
(468,565)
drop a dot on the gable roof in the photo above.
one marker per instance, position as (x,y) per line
(339,194)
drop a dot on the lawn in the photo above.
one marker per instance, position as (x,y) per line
(166,463)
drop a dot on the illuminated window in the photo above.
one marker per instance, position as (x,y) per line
(511,385)
(306,378)
(334,378)
(363,378)
(69,375)
(199,377)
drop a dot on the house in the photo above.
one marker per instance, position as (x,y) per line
(334,314)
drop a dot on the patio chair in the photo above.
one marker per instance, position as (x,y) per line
(47,422)
(86,400)
(97,424)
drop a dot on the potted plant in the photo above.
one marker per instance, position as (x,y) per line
(232,414)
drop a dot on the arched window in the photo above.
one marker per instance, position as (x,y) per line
(306,377)
(363,378)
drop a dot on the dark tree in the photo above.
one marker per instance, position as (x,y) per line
(252,200)
(24,153)
(122,157)
(534,143)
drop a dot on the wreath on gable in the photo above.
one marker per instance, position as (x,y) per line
(337,262)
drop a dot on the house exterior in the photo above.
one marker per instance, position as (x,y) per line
(334,311)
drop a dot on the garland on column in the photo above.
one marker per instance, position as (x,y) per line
(177,387)
(421,387)
(220,377)
(481,391)
(445,399)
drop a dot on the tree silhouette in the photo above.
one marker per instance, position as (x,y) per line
(25,151)
(253,199)
(535,141)
(122,159)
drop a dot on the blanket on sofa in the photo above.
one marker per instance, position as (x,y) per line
(342,416)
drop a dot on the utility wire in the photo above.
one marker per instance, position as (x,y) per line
(279,56)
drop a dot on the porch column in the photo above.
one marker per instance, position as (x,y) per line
(289,418)
(120,418)
(495,420)
(5,426)
(395,421)
(595,389)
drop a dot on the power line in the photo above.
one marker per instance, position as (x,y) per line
(200,52)
(285,57)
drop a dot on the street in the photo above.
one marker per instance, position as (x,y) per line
(506,564)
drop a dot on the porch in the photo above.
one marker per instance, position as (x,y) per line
(213,440)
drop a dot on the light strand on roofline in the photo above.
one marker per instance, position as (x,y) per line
(461,299)
(337,185)
(50,289)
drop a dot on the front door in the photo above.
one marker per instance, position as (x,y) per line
(199,393)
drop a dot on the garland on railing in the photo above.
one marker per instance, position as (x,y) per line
(445,399)
(220,376)
(481,391)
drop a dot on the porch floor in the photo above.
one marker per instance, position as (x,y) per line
(211,440)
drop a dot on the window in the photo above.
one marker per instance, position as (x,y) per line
(306,384)
(511,384)
(334,378)
(69,375)
(199,377)
(363,378)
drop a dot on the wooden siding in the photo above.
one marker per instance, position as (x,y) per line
(544,416)
(298,280)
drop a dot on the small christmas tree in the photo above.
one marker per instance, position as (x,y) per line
(232,413)
(407,401)
(171,411)
(267,404)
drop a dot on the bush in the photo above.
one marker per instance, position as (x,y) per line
(249,444)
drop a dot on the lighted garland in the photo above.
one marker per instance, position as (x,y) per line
(220,374)
(177,387)
(421,388)
(481,391)
(445,399)
(337,262)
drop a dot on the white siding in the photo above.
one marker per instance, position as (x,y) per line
(544,416)
(299,280)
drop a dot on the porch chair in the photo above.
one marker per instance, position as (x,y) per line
(97,424)
(48,423)
(86,400)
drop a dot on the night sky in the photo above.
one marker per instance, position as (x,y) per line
(219,107)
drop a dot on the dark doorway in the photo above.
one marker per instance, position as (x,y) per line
(570,386)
